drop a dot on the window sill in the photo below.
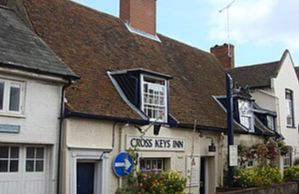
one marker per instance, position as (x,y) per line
(12,115)
(291,127)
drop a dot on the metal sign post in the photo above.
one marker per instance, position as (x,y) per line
(230,129)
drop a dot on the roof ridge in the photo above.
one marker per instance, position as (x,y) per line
(259,64)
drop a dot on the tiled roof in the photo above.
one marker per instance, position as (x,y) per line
(92,43)
(21,48)
(255,76)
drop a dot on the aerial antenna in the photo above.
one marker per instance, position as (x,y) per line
(226,8)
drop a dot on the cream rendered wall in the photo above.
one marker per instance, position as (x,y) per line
(287,79)
(96,134)
(40,122)
(265,98)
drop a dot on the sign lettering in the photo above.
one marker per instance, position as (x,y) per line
(156,143)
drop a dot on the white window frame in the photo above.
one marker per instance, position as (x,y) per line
(151,162)
(6,97)
(9,159)
(290,107)
(271,122)
(142,76)
(248,115)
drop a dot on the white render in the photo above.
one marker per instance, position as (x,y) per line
(39,126)
(94,141)
(274,99)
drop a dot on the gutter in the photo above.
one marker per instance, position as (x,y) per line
(69,113)
(60,133)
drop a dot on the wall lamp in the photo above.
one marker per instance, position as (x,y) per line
(212,147)
(157,128)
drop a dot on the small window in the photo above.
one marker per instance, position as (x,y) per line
(3,2)
(287,160)
(1,94)
(271,122)
(152,165)
(34,159)
(11,97)
(9,159)
(154,98)
(289,108)
(246,114)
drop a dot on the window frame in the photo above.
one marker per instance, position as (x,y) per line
(271,125)
(35,159)
(151,161)
(291,94)
(9,159)
(8,84)
(249,114)
(142,82)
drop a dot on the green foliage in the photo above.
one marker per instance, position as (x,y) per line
(291,173)
(255,177)
(156,183)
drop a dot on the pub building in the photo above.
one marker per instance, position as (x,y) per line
(136,88)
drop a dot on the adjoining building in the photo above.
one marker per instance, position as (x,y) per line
(274,86)
(32,82)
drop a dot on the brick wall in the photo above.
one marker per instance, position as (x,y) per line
(140,14)
(221,52)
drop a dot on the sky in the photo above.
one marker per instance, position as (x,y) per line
(260,30)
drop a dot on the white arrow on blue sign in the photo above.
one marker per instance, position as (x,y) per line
(122,164)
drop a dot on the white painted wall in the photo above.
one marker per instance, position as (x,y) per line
(40,122)
(287,79)
(274,99)
(88,134)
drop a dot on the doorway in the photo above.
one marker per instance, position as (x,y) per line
(202,186)
(85,178)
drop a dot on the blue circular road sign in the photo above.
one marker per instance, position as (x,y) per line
(122,164)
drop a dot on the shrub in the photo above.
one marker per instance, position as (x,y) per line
(156,183)
(291,173)
(255,177)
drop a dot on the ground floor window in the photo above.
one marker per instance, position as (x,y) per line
(153,164)
(287,160)
(9,159)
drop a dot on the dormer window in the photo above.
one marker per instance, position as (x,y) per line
(271,122)
(246,114)
(154,98)
(145,91)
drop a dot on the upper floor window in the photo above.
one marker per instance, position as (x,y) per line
(154,98)
(271,122)
(11,96)
(246,114)
(289,108)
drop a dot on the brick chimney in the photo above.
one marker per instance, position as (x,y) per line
(139,14)
(225,54)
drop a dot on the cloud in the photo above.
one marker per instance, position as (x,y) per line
(262,22)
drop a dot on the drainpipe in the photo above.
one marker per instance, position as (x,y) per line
(60,133)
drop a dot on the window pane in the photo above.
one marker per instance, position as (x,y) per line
(39,152)
(1,94)
(30,152)
(14,152)
(14,100)
(29,165)
(3,152)
(14,166)
(39,166)
(3,165)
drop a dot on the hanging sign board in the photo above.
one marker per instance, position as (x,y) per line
(233,155)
